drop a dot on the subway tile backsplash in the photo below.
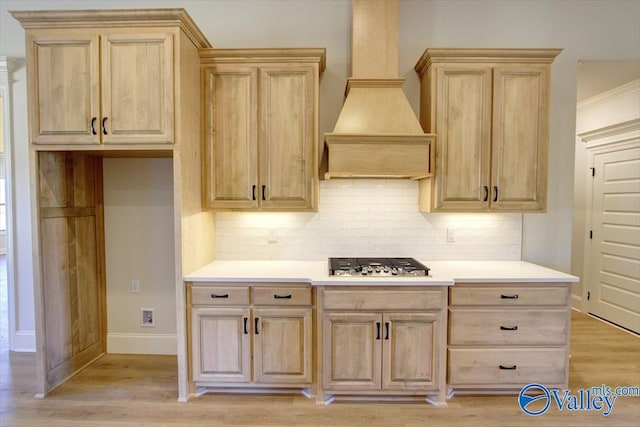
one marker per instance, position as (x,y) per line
(367,217)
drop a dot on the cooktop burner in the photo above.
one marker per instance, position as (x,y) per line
(376,267)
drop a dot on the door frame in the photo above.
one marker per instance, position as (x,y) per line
(620,136)
(7,66)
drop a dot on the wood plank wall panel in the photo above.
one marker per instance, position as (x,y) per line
(72,271)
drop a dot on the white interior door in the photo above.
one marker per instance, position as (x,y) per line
(614,279)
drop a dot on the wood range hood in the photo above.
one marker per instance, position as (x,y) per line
(377,134)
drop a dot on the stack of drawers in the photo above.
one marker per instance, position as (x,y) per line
(505,336)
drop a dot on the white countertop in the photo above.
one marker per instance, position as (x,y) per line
(443,273)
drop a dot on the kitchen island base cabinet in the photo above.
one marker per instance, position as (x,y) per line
(383,344)
(251,337)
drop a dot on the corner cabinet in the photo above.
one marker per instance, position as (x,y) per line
(251,336)
(383,341)
(490,111)
(261,128)
(101,86)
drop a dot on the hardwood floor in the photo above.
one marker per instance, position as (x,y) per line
(131,390)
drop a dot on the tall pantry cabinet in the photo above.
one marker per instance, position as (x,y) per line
(117,83)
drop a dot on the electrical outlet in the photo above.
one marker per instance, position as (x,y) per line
(273,236)
(135,286)
(451,234)
(148,317)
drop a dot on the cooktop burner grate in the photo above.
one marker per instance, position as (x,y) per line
(376,267)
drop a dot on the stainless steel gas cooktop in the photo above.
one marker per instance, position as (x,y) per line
(376,267)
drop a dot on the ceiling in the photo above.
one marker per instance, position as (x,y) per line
(595,76)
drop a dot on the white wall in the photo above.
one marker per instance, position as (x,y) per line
(607,29)
(615,106)
(138,223)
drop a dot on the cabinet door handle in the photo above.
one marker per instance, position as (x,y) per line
(509,296)
(378,330)
(508,368)
(256,325)
(104,126)
(386,330)
(486,193)
(253,192)
(276,296)
(219,296)
(264,188)
(93,125)
(495,193)
(245,320)
(506,328)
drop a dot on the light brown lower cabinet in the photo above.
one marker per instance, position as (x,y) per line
(383,341)
(505,336)
(379,351)
(251,336)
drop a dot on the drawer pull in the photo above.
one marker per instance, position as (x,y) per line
(509,296)
(508,368)
(256,325)
(386,330)
(219,296)
(276,296)
(245,319)
(378,330)
(506,328)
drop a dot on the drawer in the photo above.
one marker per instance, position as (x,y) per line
(383,299)
(509,296)
(219,295)
(507,367)
(281,296)
(508,326)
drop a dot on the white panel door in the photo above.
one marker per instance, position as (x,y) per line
(614,279)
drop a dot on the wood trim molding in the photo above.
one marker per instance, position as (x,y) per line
(266,55)
(618,132)
(112,18)
(17,340)
(501,55)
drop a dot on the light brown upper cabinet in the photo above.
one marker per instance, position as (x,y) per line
(108,87)
(261,128)
(92,83)
(489,109)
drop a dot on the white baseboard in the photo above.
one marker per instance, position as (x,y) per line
(576,302)
(24,342)
(142,343)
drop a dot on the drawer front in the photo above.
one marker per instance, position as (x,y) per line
(281,296)
(508,327)
(219,295)
(507,367)
(387,299)
(509,296)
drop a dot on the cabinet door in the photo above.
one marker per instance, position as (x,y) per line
(410,351)
(287,135)
(282,346)
(352,351)
(231,137)
(63,88)
(137,88)
(221,348)
(520,137)
(463,147)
